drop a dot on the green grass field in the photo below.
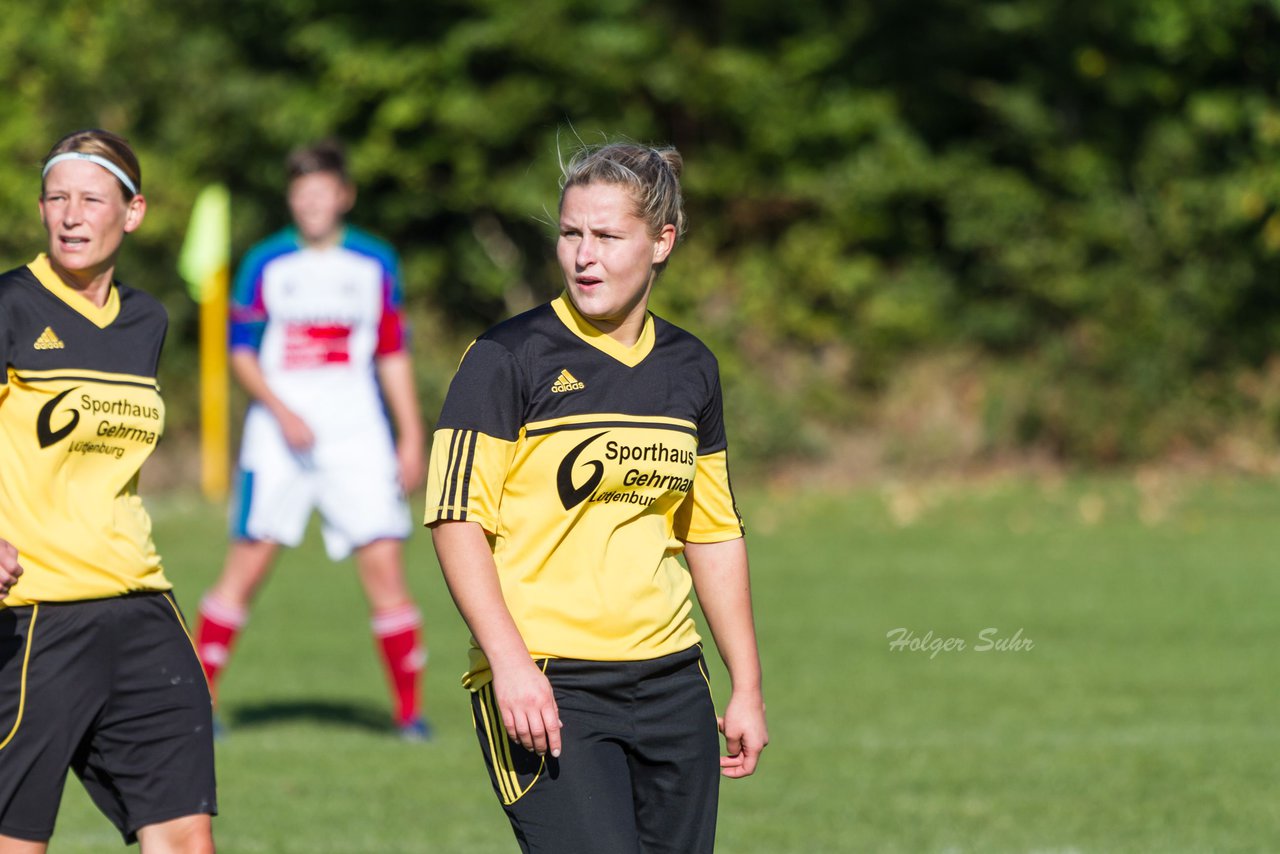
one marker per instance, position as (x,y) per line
(1142,718)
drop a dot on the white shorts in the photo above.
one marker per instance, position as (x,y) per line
(354,482)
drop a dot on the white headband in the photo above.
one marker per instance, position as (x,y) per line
(92,158)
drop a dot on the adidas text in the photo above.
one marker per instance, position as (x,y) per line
(566,382)
(49,341)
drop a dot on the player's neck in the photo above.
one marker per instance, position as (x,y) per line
(327,240)
(93,284)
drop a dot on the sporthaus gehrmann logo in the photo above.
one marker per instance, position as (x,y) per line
(571,496)
(45,433)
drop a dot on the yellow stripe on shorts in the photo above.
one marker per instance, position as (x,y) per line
(499,756)
(500,750)
(22,691)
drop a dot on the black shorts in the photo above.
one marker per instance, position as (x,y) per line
(113,689)
(639,767)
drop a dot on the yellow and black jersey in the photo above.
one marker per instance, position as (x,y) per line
(589,464)
(80,411)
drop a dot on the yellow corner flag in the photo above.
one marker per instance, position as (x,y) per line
(205,263)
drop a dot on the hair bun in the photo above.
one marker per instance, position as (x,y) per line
(672,158)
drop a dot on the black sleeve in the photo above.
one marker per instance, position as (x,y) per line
(487,393)
(711,436)
(6,344)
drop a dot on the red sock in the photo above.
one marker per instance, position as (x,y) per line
(216,632)
(398,632)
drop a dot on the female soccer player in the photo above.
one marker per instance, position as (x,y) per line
(97,673)
(581,448)
(317,342)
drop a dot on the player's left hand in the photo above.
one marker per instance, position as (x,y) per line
(745,734)
(413,467)
(10,569)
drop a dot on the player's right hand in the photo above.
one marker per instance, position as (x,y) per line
(296,432)
(528,708)
(10,569)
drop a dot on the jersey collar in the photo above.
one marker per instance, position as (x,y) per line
(580,326)
(99,317)
(296,235)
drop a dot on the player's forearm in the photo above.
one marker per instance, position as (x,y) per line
(247,370)
(472,579)
(395,374)
(723,584)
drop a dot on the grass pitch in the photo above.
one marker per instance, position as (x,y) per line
(1092,671)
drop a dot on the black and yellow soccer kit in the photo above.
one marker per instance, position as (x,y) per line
(590,464)
(96,670)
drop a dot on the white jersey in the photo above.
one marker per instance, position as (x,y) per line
(318,318)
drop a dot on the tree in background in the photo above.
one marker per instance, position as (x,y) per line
(1069,207)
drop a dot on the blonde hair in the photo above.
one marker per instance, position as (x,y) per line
(651,174)
(105,144)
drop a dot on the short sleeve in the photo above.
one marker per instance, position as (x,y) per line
(248,312)
(711,437)
(6,349)
(392,337)
(475,438)
(709,513)
(6,339)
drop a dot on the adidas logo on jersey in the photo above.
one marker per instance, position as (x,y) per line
(49,341)
(566,382)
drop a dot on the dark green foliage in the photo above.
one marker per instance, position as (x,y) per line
(1082,196)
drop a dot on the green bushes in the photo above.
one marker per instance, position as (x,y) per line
(1082,201)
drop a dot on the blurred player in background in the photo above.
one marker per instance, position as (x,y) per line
(97,673)
(581,448)
(318,342)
